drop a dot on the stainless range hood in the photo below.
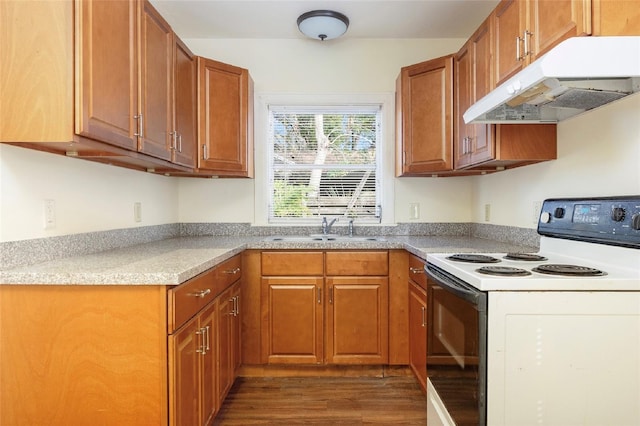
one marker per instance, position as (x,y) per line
(579,74)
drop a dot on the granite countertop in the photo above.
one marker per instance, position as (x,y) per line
(175,260)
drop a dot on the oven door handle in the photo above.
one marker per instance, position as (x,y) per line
(457,287)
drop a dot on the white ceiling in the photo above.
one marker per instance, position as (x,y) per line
(271,19)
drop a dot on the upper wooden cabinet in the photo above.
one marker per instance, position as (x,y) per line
(225,119)
(473,71)
(616,17)
(185,102)
(526,29)
(424,118)
(107,67)
(89,79)
(155,111)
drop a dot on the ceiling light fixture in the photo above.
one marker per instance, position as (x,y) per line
(323,24)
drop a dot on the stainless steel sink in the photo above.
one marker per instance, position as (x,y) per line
(324,238)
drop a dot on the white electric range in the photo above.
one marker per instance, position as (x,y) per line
(546,338)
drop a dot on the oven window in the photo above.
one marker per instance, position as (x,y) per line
(453,355)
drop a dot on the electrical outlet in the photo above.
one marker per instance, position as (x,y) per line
(49,214)
(487,212)
(414,211)
(137,211)
(537,207)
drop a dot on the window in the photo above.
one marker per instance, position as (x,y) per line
(323,161)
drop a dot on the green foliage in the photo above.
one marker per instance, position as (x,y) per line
(289,200)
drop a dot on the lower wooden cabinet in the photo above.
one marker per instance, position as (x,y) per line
(192,370)
(313,318)
(357,322)
(119,354)
(418,321)
(228,339)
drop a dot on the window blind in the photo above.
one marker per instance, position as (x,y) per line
(323,162)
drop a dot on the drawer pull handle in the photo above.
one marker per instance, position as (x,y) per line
(232,271)
(424,316)
(202,293)
(236,305)
(416,270)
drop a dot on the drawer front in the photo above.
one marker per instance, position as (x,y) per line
(416,271)
(361,263)
(188,298)
(227,273)
(283,263)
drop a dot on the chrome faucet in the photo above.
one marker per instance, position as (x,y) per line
(351,227)
(326,226)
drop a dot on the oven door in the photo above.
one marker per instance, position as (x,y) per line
(457,346)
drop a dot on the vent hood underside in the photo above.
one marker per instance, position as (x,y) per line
(580,74)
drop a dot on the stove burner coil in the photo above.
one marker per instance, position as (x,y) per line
(506,271)
(473,258)
(568,270)
(530,257)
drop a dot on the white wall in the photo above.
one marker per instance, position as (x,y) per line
(88,196)
(338,67)
(598,155)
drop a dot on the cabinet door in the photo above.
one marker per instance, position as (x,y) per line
(357,320)
(424,109)
(481,83)
(615,17)
(292,320)
(463,89)
(554,21)
(107,95)
(208,360)
(236,331)
(156,62)
(185,105)
(418,333)
(224,135)
(510,23)
(225,343)
(184,373)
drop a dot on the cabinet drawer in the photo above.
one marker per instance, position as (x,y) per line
(191,296)
(357,263)
(416,271)
(292,263)
(227,273)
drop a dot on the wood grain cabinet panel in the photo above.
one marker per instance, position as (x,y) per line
(226,114)
(185,102)
(292,328)
(492,147)
(292,263)
(424,117)
(418,333)
(109,354)
(357,320)
(527,29)
(108,71)
(324,319)
(156,78)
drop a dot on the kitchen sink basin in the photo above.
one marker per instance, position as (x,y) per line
(324,238)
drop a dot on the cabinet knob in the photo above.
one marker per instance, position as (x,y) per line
(416,270)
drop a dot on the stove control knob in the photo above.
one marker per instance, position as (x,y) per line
(558,213)
(545,217)
(618,214)
(635,221)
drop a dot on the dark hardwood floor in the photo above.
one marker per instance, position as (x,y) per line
(324,401)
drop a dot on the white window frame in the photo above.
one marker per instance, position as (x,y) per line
(385,147)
